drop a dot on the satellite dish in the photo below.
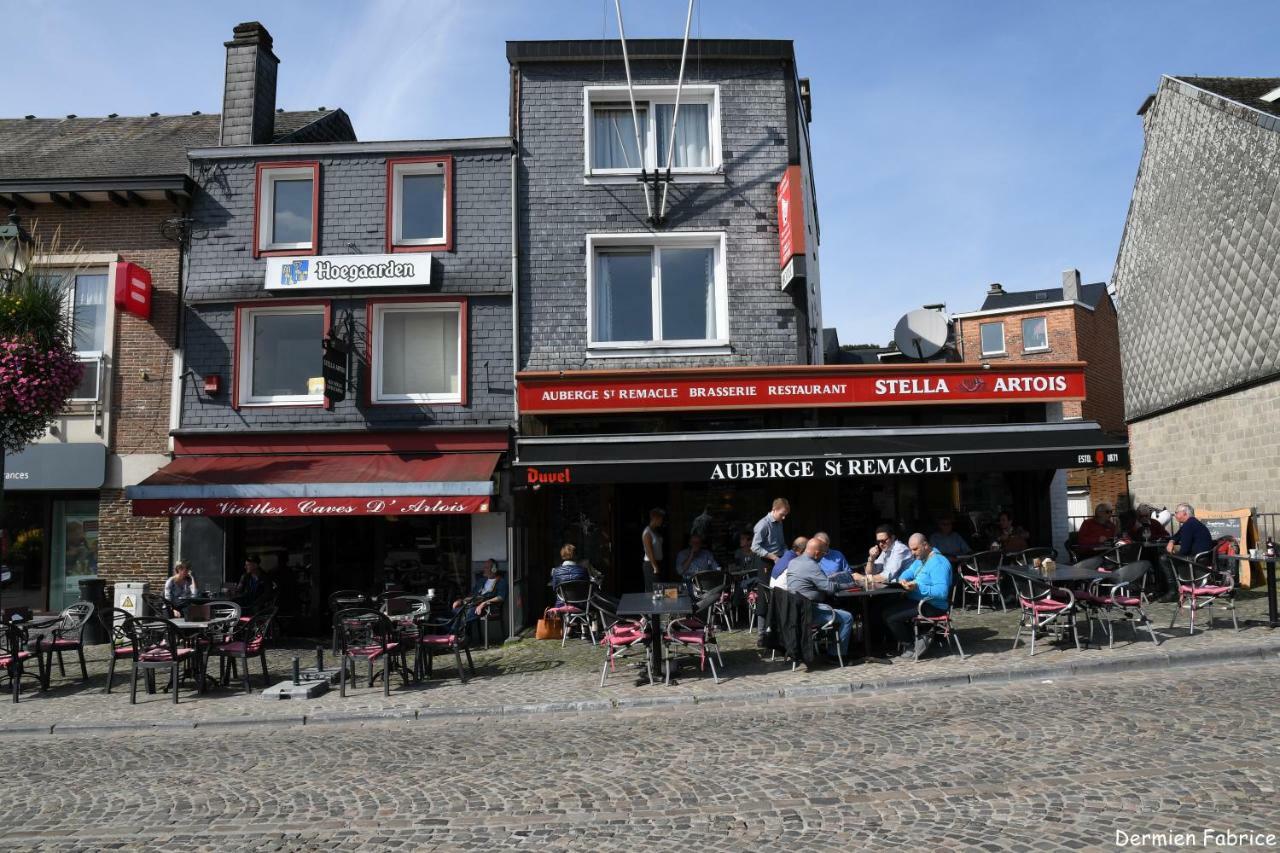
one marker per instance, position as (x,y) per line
(921,333)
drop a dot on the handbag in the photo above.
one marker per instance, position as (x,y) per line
(549,627)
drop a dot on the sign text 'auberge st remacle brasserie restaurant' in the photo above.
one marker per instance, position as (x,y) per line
(849,445)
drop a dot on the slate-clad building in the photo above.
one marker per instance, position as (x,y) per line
(347,337)
(1198,284)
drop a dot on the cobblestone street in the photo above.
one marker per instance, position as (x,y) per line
(1022,766)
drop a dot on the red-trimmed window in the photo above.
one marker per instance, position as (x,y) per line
(286,212)
(420,204)
(417,351)
(279,347)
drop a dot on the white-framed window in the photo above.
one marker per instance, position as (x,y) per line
(610,130)
(417,351)
(286,214)
(280,353)
(656,291)
(88,312)
(992,335)
(1035,335)
(420,202)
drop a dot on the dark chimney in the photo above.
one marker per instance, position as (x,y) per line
(995,289)
(249,93)
(1071,285)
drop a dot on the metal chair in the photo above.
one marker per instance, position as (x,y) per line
(1028,557)
(65,636)
(1200,587)
(246,640)
(702,582)
(367,635)
(1044,608)
(575,609)
(437,636)
(14,655)
(1125,590)
(936,627)
(621,637)
(154,641)
(158,605)
(345,599)
(1122,554)
(113,620)
(980,575)
(691,632)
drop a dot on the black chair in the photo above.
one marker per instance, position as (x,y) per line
(1030,555)
(1044,608)
(367,635)
(113,622)
(14,655)
(158,605)
(345,599)
(704,582)
(442,636)
(65,636)
(154,641)
(1125,590)
(246,640)
(979,575)
(575,609)
(1200,586)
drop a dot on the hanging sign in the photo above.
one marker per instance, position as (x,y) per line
(133,289)
(347,272)
(791,224)
(335,368)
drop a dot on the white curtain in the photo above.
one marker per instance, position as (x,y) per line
(693,135)
(613,138)
(420,352)
(90,313)
(623,297)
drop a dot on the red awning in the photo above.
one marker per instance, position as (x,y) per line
(321,485)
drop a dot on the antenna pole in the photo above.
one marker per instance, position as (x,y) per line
(635,120)
(675,114)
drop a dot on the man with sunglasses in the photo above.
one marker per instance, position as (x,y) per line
(887,558)
(1098,532)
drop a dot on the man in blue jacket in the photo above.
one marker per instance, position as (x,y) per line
(1192,538)
(928,579)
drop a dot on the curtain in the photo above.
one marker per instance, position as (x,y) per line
(89,316)
(623,298)
(688,294)
(613,138)
(419,352)
(693,135)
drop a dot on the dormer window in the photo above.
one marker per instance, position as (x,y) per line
(420,204)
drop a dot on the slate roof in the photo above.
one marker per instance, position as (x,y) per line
(136,146)
(1090,294)
(1242,90)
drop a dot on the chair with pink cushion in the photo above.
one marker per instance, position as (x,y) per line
(14,656)
(113,620)
(246,640)
(366,635)
(573,606)
(65,636)
(939,627)
(154,641)
(1200,587)
(443,636)
(1128,599)
(694,633)
(1044,609)
(980,576)
(621,637)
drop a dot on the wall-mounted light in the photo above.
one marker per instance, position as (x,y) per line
(213,385)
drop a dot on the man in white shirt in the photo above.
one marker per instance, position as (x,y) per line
(887,559)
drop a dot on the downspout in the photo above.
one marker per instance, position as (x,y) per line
(512,617)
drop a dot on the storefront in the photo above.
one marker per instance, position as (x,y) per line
(328,512)
(51,520)
(851,447)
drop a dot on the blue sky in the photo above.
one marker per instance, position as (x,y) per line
(956,143)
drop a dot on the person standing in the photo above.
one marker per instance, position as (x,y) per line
(651,540)
(927,579)
(1192,538)
(767,539)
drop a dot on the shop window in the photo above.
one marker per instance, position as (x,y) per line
(613,146)
(280,350)
(286,213)
(656,292)
(992,338)
(419,204)
(417,351)
(75,550)
(1035,335)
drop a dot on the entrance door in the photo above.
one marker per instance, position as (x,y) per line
(634,500)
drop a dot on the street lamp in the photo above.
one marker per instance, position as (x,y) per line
(15,249)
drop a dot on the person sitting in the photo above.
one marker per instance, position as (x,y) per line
(948,541)
(805,577)
(887,558)
(1192,538)
(252,585)
(833,562)
(693,560)
(927,579)
(1009,537)
(568,570)
(1145,527)
(778,577)
(1097,532)
(179,587)
(746,562)
(490,588)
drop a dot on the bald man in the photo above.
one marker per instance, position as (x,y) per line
(927,579)
(805,577)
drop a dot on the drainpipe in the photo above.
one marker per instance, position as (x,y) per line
(512,539)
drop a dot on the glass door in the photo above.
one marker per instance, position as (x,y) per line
(74,555)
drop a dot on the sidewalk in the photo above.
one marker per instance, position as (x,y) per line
(530,676)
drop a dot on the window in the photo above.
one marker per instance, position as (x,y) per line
(666,291)
(86,306)
(417,351)
(419,204)
(280,352)
(1035,335)
(618,144)
(992,338)
(285,218)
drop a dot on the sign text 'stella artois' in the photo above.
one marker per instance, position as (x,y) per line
(347,271)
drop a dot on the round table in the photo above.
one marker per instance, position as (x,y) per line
(864,596)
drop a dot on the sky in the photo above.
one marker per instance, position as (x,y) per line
(955,144)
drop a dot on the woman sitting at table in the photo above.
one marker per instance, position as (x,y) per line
(569,569)
(180,586)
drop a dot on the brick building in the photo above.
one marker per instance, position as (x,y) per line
(1198,283)
(347,335)
(116,190)
(1074,322)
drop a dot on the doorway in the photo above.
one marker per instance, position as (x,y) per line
(634,500)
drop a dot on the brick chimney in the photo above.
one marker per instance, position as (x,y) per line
(249,93)
(995,289)
(1071,285)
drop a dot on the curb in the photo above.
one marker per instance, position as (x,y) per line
(1155,661)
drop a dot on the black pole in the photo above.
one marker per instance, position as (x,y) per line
(4,535)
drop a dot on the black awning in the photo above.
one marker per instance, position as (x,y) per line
(815,453)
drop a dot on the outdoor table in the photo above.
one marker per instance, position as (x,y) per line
(1273,620)
(1070,574)
(642,604)
(190,630)
(863,596)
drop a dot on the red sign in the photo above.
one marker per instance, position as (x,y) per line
(633,391)
(790,216)
(312,507)
(133,289)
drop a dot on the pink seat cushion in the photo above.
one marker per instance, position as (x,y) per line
(564,608)
(981,578)
(691,637)
(8,659)
(371,652)
(1129,601)
(122,651)
(61,643)
(438,639)
(1045,606)
(1204,590)
(241,648)
(1091,598)
(939,620)
(159,655)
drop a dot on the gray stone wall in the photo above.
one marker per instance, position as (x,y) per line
(1198,272)
(557,211)
(1220,454)
(223,273)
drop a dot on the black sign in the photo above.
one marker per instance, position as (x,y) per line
(335,368)
(55,465)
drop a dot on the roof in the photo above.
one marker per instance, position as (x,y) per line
(136,146)
(587,50)
(1243,90)
(1090,294)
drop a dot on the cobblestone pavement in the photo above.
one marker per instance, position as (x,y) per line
(536,673)
(1032,765)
